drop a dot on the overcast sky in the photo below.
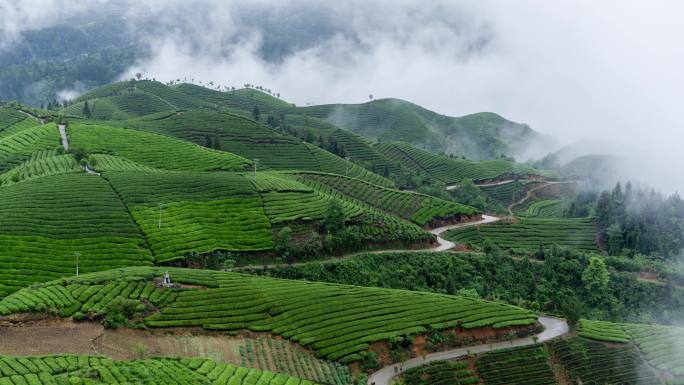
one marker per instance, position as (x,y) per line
(572,69)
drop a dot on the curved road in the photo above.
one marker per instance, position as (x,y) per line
(444,245)
(553,327)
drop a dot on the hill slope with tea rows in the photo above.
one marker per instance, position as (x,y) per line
(339,322)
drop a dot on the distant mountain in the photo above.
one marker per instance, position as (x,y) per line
(478,136)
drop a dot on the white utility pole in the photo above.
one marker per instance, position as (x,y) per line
(255,168)
(78,256)
(160,213)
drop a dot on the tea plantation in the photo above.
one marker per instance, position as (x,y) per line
(85,370)
(338,322)
(451,171)
(527,234)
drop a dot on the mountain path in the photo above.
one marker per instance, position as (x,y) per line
(500,183)
(442,245)
(530,193)
(553,328)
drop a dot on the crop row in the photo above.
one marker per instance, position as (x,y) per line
(44,221)
(529,234)
(253,141)
(84,370)
(440,373)
(281,356)
(523,366)
(448,170)
(152,150)
(18,147)
(505,194)
(594,363)
(419,208)
(53,165)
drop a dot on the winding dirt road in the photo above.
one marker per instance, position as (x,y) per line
(444,245)
(553,328)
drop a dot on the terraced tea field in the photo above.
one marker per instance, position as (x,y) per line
(527,234)
(441,372)
(281,356)
(338,322)
(419,208)
(593,363)
(77,370)
(451,171)
(19,146)
(251,140)
(545,209)
(44,221)
(505,194)
(520,366)
(659,345)
(153,150)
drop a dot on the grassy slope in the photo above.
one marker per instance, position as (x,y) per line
(448,170)
(478,136)
(338,321)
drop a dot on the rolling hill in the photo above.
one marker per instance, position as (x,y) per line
(338,322)
(478,136)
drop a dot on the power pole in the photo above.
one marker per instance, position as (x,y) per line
(160,214)
(78,256)
(255,168)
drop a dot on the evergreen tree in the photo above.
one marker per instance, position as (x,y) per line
(255,113)
(86,110)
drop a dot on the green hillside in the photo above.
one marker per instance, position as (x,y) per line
(44,221)
(153,150)
(338,322)
(477,136)
(419,208)
(21,145)
(251,140)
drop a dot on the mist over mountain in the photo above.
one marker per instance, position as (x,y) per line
(537,66)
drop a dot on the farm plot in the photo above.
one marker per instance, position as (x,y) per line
(18,147)
(198,212)
(661,346)
(603,331)
(447,170)
(547,208)
(42,166)
(520,366)
(44,221)
(70,370)
(527,234)
(282,356)
(594,363)
(505,194)
(251,140)
(13,121)
(338,322)
(441,373)
(152,150)
(418,208)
